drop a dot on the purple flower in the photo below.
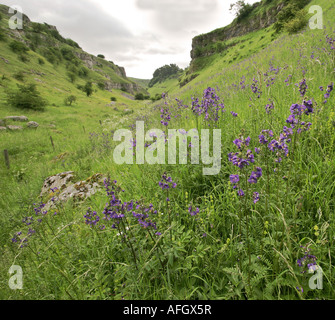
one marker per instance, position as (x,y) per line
(303,87)
(193,212)
(166,182)
(234,179)
(253,178)
(256,197)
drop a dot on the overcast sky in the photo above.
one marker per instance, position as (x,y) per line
(140,35)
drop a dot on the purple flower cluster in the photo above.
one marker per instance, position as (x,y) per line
(234,114)
(308,260)
(91,217)
(255,175)
(269,107)
(116,210)
(297,110)
(331,42)
(193,212)
(165,112)
(330,88)
(279,146)
(32,222)
(264,137)
(303,87)
(287,80)
(245,156)
(255,197)
(165,116)
(255,89)
(209,106)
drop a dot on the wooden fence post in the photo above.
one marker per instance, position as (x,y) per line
(7,159)
(52,143)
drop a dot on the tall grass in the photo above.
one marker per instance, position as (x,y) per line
(207,240)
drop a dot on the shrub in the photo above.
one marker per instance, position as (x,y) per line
(26,97)
(69,100)
(38,27)
(298,23)
(292,18)
(88,88)
(101,85)
(23,57)
(139,96)
(68,54)
(19,76)
(72,43)
(113,99)
(18,47)
(72,76)
(41,61)
(241,9)
(2,35)
(123,88)
(83,72)
(53,55)
(101,56)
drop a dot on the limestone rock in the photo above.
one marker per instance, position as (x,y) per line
(3,128)
(17,118)
(61,188)
(14,128)
(59,181)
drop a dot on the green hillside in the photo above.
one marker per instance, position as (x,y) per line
(256,228)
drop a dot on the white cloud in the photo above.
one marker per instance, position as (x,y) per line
(140,35)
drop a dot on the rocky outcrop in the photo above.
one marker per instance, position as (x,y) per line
(32,124)
(129,87)
(91,61)
(60,188)
(14,128)
(4,124)
(237,28)
(17,118)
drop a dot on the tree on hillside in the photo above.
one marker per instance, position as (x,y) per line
(164,73)
(88,88)
(241,9)
(26,97)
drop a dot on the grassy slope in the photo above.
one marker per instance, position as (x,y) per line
(200,268)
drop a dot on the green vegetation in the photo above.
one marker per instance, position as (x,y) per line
(26,97)
(293,17)
(70,99)
(241,9)
(253,231)
(163,73)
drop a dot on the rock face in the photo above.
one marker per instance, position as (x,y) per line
(61,187)
(236,29)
